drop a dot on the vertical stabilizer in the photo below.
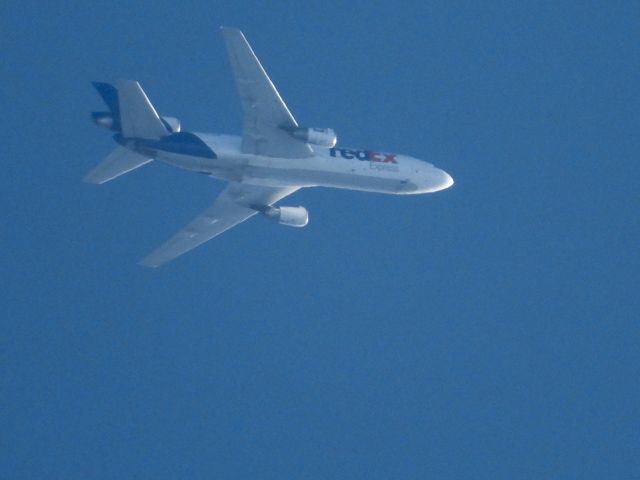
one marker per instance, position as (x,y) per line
(138,118)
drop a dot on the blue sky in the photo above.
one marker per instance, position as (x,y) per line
(487,331)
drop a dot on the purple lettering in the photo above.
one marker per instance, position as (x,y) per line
(373,156)
(348,154)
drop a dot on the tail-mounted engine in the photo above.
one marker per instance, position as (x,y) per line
(289,216)
(172,124)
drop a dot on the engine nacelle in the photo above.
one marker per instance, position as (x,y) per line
(105,120)
(172,124)
(324,137)
(289,216)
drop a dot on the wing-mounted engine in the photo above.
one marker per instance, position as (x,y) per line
(289,216)
(323,137)
(110,122)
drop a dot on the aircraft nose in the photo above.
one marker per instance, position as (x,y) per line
(442,180)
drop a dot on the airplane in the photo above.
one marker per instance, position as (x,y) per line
(274,158)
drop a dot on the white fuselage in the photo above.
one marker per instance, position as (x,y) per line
(352,169)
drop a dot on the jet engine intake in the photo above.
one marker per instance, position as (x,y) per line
(289,216)
(172,124)
(105,120)
(323,137)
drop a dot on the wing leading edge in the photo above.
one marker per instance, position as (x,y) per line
(265,113)
(231,208)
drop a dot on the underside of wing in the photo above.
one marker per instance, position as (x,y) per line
(236,203)
(266,117)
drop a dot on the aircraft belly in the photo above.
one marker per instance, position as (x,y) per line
(194,163)
(275,172)
(270,176)
(187,162)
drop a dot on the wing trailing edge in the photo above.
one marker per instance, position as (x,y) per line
(233,206)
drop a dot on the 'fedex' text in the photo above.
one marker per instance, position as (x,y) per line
(367,155)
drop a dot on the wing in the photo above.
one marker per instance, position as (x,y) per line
(264,110)
(230,208)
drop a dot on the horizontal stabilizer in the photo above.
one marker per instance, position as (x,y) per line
(119,162)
